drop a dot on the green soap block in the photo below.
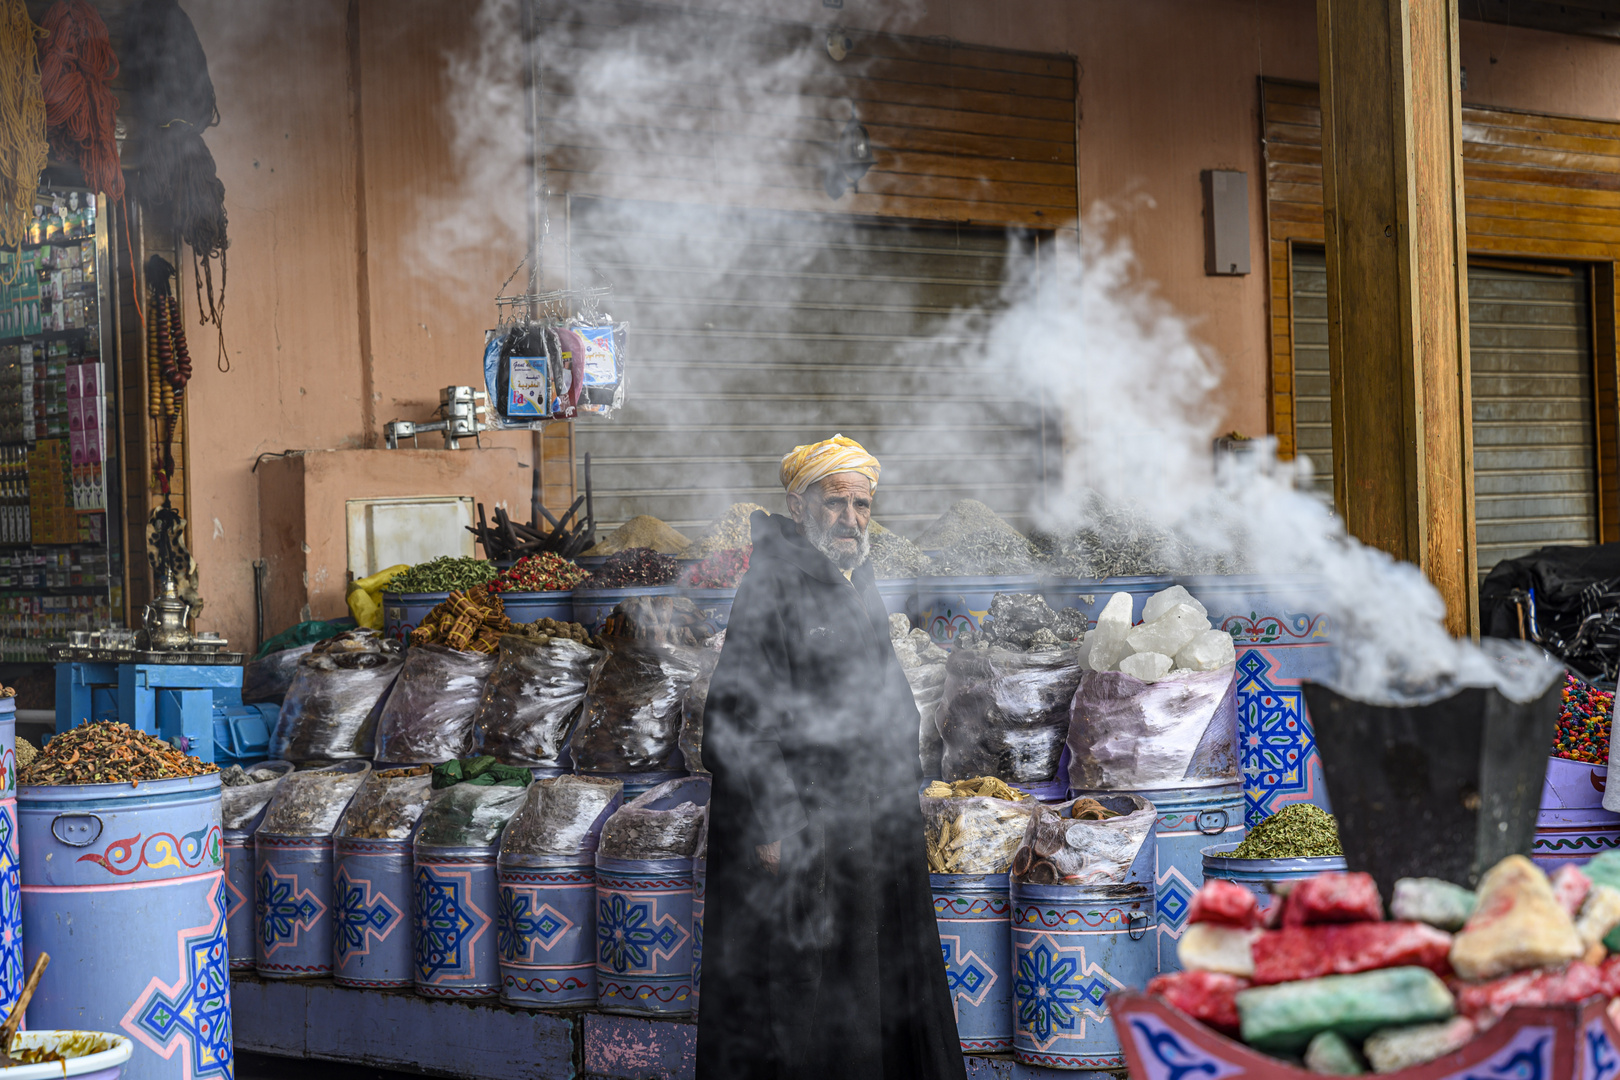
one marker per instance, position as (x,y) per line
(1605,869)
(1612,940)
(1331,1055)
(1287,1016)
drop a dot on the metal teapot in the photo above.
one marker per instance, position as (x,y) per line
(165,619)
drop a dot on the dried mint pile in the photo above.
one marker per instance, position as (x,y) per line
(973,540)
(895,557)
(545,572)
(444,574)
(733,529)
(634,566)
(1298,831)
(721,569)
(103,752)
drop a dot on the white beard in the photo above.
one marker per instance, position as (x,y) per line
(824,542)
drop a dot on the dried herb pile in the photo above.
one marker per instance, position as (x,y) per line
(538,573)
(545,631)
(1298,831)
(471,621)
(387,805)
(634,566)
(990,787)
(444,574)
(893,556)
(730,530)
(642,531)
(26,752)
(103,752)
(972,539)
(720,569)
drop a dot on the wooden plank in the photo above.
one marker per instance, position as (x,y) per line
(1606,398)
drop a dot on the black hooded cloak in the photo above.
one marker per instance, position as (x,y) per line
(832,967)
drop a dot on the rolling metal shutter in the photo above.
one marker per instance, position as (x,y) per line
(752,332)
(1535,454)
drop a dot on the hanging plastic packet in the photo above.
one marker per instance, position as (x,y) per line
(602,392)
(311,803)
(239,805)
(562,815)
(387,805)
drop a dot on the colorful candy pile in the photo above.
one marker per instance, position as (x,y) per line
(1583,723)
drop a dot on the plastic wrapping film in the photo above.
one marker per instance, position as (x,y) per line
(338,685)
(697,699)
(429,714)
(1006,713)
(633,708)
(1060,850)
(973,835)
(563,815)
(238,806)
(662,823)
(1181,731)
(387,805)
(310,803)
(532,700)
(468,815)
(268,678)
(927,682)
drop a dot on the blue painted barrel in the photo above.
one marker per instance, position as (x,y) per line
(1572,826)
(457,893)
(714,604)
(1091,595)
(404,612)
(700,887)
(533,606)
(644,936)
(11,931)
(1190,819)
(124,886)
(948,605)
(547,930)
(593,606)
(238,848)
(371,919)
(975,935)
(1258,875)
(1280,626)
(292,906)
(899,596)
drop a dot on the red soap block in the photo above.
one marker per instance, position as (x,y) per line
(1309,952)
(1209,996)
(1570,887)
(1334,898)
(1609,971)
(1487,1002)
(1226,903)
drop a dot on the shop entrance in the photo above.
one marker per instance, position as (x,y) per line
(1535,431)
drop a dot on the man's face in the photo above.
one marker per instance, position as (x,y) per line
(834,513)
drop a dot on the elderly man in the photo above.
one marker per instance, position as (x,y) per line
(821,954)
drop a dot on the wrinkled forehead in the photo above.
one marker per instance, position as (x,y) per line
(843,485)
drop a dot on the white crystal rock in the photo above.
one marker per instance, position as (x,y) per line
(1169,632)
(1161,602)
(1208,650)
(1147,666)
(1107,638)
(899,625)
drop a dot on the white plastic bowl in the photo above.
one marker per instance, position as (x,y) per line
(105,1063)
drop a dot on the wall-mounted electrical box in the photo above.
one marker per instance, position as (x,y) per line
(1226,222)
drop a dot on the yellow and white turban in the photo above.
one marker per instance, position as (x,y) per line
(807,464)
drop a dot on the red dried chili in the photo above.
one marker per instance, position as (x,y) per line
(545,572)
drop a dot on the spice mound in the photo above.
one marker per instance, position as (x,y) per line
(471,621)
(633,566)
(720,569)
(443,574)
(544,572)
(642,531)
(730,530)
(26,752)
(972,540)
(1583,723)
(893,556)
(103,752)
(1300,831)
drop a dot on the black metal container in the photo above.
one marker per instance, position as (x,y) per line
(1439,790)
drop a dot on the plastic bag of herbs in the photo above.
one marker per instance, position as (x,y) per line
(1086,841)
(329,710)
(311,802)
(429,714)
(562,816)
(532,699)
(387,805)
(471,803)
(973,826)
(239,804)
(661,823)
(1005,712)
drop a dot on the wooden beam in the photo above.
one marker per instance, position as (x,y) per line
(1397,285)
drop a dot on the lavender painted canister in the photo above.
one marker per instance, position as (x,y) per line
(644,936)
(11,935)
(1572,826)
(700,881)
(124,886)
(371,933)
(456,896)
(975,938)
(1280,627)
(238,848)
(547,937)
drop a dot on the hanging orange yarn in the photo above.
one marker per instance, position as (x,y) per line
(22,122)
(76,68)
